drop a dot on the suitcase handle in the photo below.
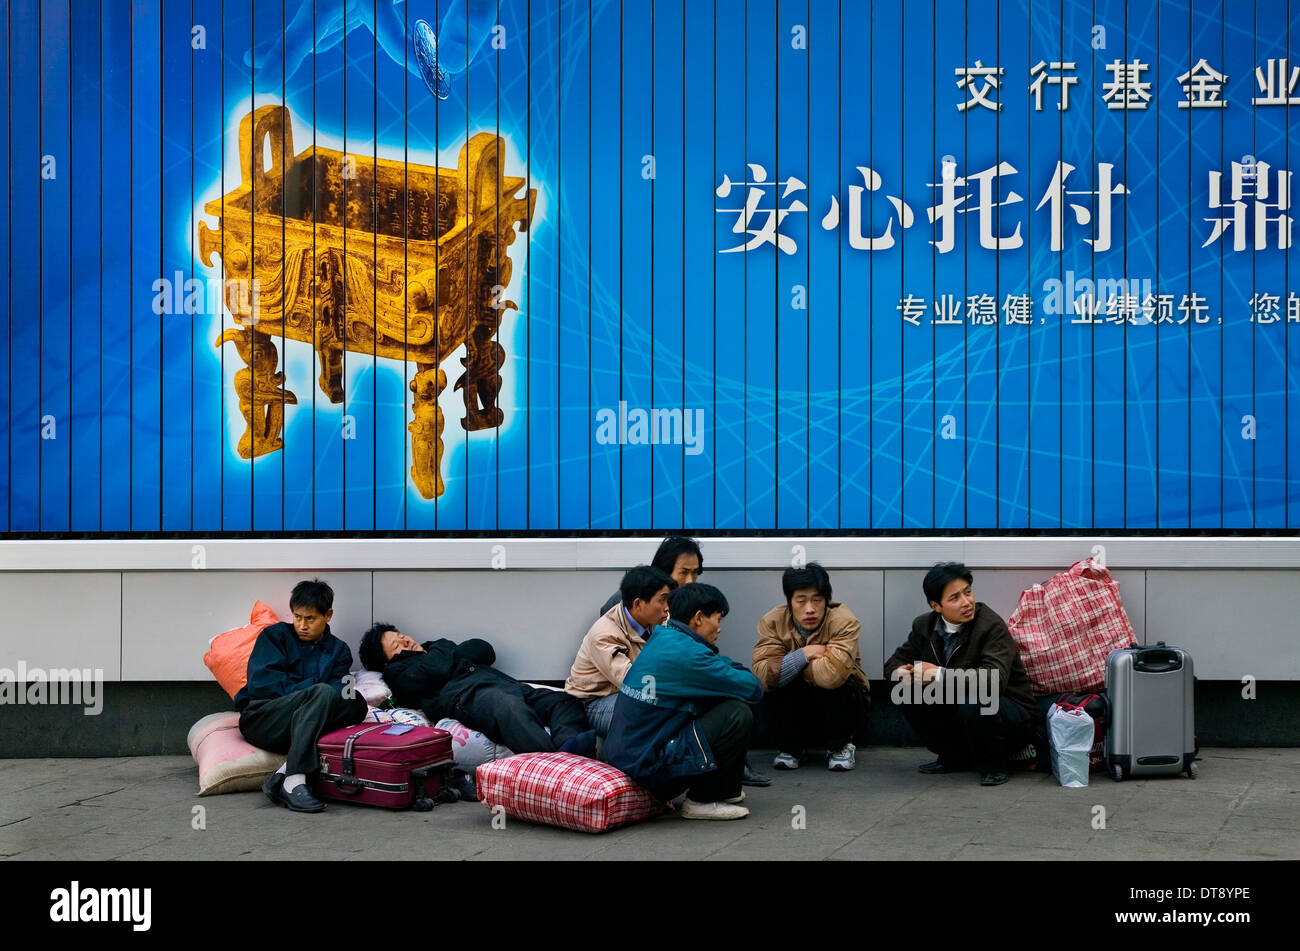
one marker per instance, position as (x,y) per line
(349,786)
(348,783)
(1157,660)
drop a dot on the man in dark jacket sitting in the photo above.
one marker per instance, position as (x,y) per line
(960,681)
(446,679)
(297,691)
(683,716)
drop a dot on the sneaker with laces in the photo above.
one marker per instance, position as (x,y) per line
(785,761)
(844,759)
(712,810)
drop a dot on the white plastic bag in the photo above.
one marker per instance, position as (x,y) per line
(1070,732)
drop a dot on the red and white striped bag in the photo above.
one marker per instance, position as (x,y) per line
(1065,628)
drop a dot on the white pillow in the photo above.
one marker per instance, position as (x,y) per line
(228,762)
(370,684)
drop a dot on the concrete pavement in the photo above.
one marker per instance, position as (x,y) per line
(1244,805)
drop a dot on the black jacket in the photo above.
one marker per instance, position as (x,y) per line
(282,662)
(983,641)
(447,672)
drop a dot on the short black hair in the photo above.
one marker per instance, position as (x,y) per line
(644,582)
(371,650)
(314,594)
(811,575)
(690,598)
(665,558)
(940,576)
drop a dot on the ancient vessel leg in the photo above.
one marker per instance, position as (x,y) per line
(260,390)
(484,357)
(426,430)
(330,333)
(481,382)
(331,369)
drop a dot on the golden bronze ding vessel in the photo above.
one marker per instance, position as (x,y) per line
(372,256)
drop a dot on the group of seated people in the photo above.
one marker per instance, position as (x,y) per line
(650,693)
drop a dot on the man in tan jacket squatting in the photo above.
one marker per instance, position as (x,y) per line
(807,659)
(614,641)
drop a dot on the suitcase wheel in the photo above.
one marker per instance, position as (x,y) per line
(423,804)
(1116,772)
(1192,770)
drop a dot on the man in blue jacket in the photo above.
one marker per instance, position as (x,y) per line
(296,692)
(683,718)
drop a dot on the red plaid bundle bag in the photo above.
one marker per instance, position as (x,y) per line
(1065,629)
(561,789)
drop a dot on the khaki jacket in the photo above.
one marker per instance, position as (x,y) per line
(779,634)
(604,656)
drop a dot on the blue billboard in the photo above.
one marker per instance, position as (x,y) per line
(355,266)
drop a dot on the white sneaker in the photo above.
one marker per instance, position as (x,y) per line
(736,800)
(785,761)
(712,810)
(844,759)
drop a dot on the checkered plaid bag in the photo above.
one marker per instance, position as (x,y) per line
(561,789)
(1065,629)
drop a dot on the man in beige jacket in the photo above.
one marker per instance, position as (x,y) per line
(807,659)
(615,640)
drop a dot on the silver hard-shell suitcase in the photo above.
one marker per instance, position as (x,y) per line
(1152,712)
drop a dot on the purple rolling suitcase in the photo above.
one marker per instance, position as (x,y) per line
(366,765)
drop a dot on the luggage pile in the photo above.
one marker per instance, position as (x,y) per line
(1083,661)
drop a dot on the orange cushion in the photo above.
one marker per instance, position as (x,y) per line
(228,652)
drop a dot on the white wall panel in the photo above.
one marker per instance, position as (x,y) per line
(169,617)
(57,621)
(1233,623)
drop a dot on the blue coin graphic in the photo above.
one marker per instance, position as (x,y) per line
(425,42)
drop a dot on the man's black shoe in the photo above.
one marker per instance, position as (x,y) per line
(754,778)
(931,769)
(993,779)
(272,787)
(301,800)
